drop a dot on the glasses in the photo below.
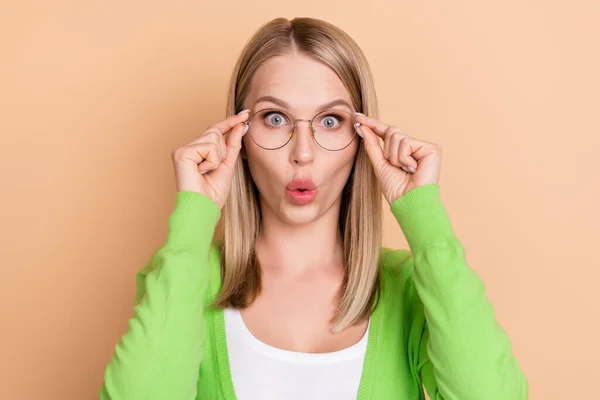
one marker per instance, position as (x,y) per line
(331,129)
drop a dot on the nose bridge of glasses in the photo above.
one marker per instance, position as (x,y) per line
(295,125)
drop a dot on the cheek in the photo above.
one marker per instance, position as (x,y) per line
(268,168)
(265,168)
(341,165)
(347,157)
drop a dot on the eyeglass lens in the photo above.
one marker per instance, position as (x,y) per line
(271,128)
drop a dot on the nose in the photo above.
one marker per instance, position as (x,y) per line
(302,143)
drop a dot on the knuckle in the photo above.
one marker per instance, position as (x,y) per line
(176,153)
(209,137)
(213,146)
(207,133)
(214,136)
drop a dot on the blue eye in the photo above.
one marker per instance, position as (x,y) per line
(274,118)
(331,121)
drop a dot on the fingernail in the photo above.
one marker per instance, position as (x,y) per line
(243,111)
(246,128)
(411,169)
(356,125)
(360,114)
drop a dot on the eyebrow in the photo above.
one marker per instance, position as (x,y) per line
(281,103)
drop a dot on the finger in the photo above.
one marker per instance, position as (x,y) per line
(212,137)
(393,134)
(377,126)
(406,148)
(391,152)
(220,141)
(234,144)
(227,124)
(222,148)
(206,156)
(399,151)
(386,147)
(372,146)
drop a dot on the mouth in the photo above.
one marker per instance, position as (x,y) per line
(301,191)
(301,196)
(305,184)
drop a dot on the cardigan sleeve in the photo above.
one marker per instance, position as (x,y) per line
(159,355)
(464,353)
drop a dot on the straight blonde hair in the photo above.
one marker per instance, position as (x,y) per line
(360,213)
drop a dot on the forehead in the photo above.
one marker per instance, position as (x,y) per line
(300,81)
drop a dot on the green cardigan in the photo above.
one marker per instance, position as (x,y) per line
(434,325)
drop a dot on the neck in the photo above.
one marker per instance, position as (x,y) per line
(300,249)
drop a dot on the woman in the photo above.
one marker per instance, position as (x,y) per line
(299,300)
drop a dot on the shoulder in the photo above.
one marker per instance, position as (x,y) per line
(397,269)
(396,262)
(398,288)
(214,260)
(214,266)
(215,247)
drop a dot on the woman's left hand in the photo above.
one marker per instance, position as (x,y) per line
(404,163)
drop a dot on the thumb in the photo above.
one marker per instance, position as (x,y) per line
(234,143)
(372,147)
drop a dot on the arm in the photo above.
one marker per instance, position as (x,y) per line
(463,352)
(159,355)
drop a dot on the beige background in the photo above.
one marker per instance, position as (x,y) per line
(95,94)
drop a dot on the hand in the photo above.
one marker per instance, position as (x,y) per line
(404,163)
(206,165)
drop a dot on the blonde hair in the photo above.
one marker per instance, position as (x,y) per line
(360,213)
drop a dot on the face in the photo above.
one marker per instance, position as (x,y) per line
(304,85)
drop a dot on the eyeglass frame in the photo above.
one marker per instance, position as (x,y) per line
(310,121)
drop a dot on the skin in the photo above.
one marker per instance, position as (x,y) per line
(300,248)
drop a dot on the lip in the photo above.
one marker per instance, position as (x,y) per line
(301,191)
(301,183)
(301,197)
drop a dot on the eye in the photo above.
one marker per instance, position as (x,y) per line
(331,121)
(275,118)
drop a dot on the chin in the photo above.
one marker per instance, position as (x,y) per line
(299,215)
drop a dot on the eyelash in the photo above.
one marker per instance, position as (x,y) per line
(339,117)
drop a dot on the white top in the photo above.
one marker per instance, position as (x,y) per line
(261,371)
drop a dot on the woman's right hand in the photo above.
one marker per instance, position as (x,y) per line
(206,165)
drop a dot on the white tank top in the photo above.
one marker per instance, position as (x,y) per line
(263,372)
